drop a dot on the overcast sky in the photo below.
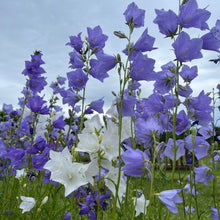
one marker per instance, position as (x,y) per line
(27,25)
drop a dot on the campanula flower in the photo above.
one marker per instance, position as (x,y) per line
(70,97)
(134,162)
(40,160)
(145,128)
(185,91)
(135,14)
(167,21)
(36,104)
(96,38)
(214,214)
(32,68)
(170,101)
(77,79)
(192,16)
(39,145)
(169,151)
(17,157)
(189,73)
(76,42)
(59,123)
(207,131)
(36,84)
(201,147)
(20,173)
(111,179)
(27,204)
(63,170)
(3,152)
(36,58)
(203,174)
(169,198)
(84,209)
(75,60)
(109,142)
(211,40)
(7,108)
(107,62)
(187,189)
(200,109)
(182,123)
(61,80)
(128,103)
(67,216)
(165,79)
(96,106)
(145,42)
(97,70)
(187,209)
(142,68)
(141,205)
(102,65)
(154,103)
(187,49)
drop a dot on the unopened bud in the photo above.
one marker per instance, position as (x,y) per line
(193,133)
(94,50)
(44,200)
(74,153)
(119,34)
(100,139)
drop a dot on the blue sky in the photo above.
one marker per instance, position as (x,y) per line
(27,25)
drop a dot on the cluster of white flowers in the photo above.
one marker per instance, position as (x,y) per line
(93,139)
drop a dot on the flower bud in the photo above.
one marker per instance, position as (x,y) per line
(119,34)
(44,200)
